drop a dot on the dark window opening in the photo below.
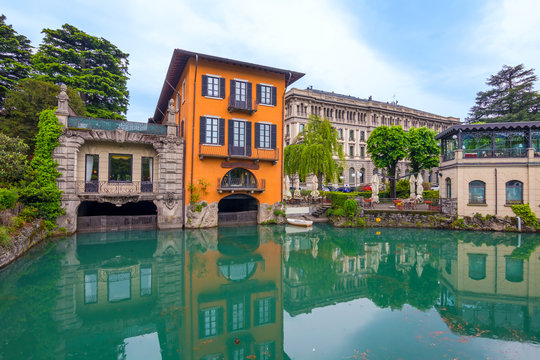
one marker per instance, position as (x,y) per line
(235,203)
(94,208)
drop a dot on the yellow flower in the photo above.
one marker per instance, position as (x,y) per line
(378,219)
(378,233)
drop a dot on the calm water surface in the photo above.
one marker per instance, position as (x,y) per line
(275,293)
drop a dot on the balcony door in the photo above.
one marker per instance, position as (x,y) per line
(239,138)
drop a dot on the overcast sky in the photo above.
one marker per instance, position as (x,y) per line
(429,55)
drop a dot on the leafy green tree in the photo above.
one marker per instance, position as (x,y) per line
(511,97)
(93,66)
(42,193)
(386,146)
(318,152)
(15,58)
(423,151)
(13,154)
(24,103)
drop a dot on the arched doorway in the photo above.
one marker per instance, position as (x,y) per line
(95,216)
(352,177)
(237,209)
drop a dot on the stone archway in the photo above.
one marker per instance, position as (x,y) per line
(237,209)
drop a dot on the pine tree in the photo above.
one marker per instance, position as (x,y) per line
(511,97)
(93,66)
(15,58)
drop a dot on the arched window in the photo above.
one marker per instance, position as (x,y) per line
(514,192)
(477,266)
(448,188)
(352,176)
(514,269)
(362,176)
(477,192)
(239,178)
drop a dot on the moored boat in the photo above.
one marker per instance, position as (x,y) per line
(300,222)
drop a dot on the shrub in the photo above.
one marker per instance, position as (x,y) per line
(17,222)
(360,222)
(278,212)
(526,215)
(336,212)
(430,194)
(8,198)
(426,185)
(305,192)
(338,199)
(350,206)
(403,189)
(5,239)
(13,154)
(365,194)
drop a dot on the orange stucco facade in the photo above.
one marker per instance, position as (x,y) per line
(208,160)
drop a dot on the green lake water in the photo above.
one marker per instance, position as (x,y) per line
(274,292)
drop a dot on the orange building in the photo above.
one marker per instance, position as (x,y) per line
(230,114)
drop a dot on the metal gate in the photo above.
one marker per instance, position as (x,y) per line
(237,218)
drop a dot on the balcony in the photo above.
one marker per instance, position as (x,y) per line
(229,152)
(495,153)
(243,106)
(116,188)
(247,184)
(75,122)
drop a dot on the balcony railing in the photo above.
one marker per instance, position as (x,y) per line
(495,153)
(237,184)
(242,106)
(228,152)
(116,188)
(75,122)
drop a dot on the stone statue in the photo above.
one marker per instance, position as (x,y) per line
(314,187)
(314,247)
(412,187)
(375,189)
(297,193)
(63,101)
(171,112)
(287,193)
(419,187)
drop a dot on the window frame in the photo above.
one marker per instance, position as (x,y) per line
(265,136)
(213,87)
(507,187)
(267,90)
(151,170)
(475,184)
(131,169)
(209,120)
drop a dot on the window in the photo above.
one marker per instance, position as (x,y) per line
(477,266)
(448,188)
(265,351)
(351,150)
(514,269)
(240,91)
(213,86)
(119,286)
(239,136)
(477,192)
(351,134)
(184,91)
(287,130)
(514,192)
(90,287)
(301,128)
(147,169)
(265,311)
(120,168)
(265,136)
(146,279)
(351,265)
(362,152)
(210,322)
(92,168)
(362,135)
(212,130)
(238,313)
(340,134)
(266,94)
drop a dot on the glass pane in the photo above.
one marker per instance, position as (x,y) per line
(477,266)
(90,288)
(120,167)
(146,170)
(477,192)
(146,280)
(92,166)
(514,192)
(514,269)
(119,286)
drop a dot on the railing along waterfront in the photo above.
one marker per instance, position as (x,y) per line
(494,153)
(75,122)
(116,188)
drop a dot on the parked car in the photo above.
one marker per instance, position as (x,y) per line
(328,188)
(344,189)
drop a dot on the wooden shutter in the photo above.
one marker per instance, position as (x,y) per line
(222,88)
(221,131)
(233,89)
(256,305)
(201,324)
(204,85)
(258,97)
(273,136)
(248,95)
(219,319)
(257,134)
(272,309)
(274,95)
(248,138)
(202,133)
(231,130)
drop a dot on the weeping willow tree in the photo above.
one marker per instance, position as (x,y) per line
(317,151)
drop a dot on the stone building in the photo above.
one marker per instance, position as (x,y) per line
(354,119)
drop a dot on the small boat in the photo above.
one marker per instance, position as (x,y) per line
(300,222)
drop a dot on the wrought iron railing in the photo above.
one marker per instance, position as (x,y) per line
(116,188)
(496,153)
(75,122)
(241,184)
(226,151)
(242,106)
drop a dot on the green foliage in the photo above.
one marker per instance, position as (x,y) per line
(24,103)
(269,222)
(5,238)
(338,199)
(336,212)
(42,193)
(316,153)
(511,97)
(386,146)
(93,66)
(350,206)
(8,198)
(423,151)
(360,222)
(430,194)
(13,155)
(196,190)
(526,215)
(305,192)
(526,249)
(403,189)
(15,57)
(278,212)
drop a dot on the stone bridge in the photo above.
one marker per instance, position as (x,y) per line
(133,166)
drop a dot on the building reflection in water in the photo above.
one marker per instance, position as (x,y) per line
(141,293)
